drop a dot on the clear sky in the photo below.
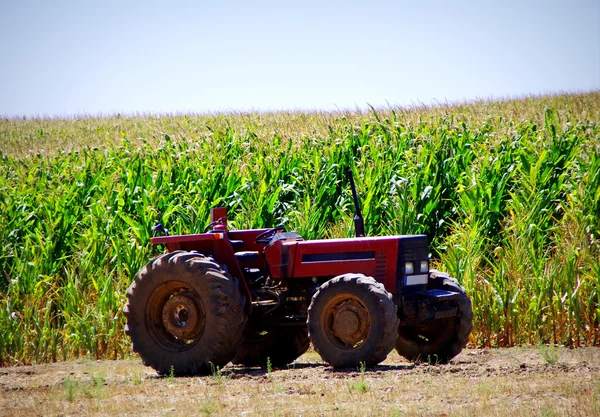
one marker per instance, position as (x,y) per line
(87,57)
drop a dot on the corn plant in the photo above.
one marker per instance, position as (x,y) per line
(508,194)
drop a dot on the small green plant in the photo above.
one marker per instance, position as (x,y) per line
(209,407)
(70,389)
(137,378)
(269,367)
(279,389)
(551,354)
(171,372)
(91,392)
(98,380)
(547,412)
(396,412)
(360,385)
(217,373)
(95,388)
(433,359)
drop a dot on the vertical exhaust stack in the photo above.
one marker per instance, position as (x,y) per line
(359,224)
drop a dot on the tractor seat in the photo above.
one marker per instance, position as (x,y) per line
(247,256)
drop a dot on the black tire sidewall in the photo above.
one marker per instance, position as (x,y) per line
(373,349)
(454,336)
(215,347)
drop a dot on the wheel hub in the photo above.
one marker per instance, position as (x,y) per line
(182,316)
(350,322)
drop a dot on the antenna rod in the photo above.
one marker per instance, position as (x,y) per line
(359,224)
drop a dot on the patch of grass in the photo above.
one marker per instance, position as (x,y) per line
(360,385)
(551,354)
(396,412)
(137,378)
(547,412)
(269,368)
(209,407)
(93,389)
(70,387)
(433,360)
(217,374)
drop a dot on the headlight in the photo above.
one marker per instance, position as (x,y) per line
(409,268)
(424,266)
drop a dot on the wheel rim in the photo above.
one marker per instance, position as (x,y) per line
(347,321)
(176,316)
(181,316)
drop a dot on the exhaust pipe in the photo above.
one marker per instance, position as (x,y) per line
(359,224)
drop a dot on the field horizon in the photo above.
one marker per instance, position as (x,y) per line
(417,106)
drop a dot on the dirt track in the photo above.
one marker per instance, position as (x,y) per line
(519,381)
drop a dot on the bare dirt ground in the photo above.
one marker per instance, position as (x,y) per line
(506,382)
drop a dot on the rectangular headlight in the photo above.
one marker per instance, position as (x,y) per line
(424,266)
(409,268)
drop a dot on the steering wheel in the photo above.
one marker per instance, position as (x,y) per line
(267,235)
(211,225)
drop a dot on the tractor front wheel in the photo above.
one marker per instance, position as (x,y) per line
(185,315)
(352,319)
(440,340)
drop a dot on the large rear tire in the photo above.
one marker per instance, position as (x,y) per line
(280,346)
(352,319)
(185,315)
(440,340)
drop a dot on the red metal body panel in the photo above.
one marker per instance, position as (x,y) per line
(175,242)
(373,256)
(203,240)
(217,245)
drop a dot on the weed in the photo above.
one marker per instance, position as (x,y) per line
(137,378)
(547,412)
(70,389)
(209,406)
(269,368)
(550,354)
(433,359)
(360,385)
(217,374)
(98,380)
(396,412)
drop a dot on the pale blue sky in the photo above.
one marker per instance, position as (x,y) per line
(88,57)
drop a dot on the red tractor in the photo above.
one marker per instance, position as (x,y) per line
(252,296)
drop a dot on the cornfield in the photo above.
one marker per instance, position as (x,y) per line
(507,192)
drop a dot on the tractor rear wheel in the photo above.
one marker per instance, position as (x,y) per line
(280,346)
(185,315)
(440,340)
(352,319)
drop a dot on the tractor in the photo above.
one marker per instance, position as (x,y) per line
(261,296)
